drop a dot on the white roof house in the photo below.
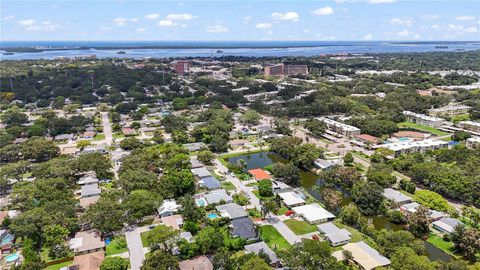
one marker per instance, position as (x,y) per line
(168,208)
(446,224)
(334,235)
(291,198)
(365,256)
(313,213)
(396,196)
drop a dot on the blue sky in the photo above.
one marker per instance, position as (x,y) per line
(240,20)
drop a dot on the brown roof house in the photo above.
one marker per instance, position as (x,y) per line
(197,263)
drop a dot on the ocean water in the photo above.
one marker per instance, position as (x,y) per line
(157,49)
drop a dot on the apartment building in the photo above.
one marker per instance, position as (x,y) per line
(450,110)
(261,96)
(423,119)
(470,126)
(282,69)
(407,147)
(340,128)
(473,142)
(181,67)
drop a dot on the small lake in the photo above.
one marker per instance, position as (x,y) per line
(309,180)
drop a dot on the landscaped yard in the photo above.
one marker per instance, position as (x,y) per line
(423,128)
(273,238)
(58,266)
(227,185)
(143,236)
(117,245)
(99,137)
(438,241)
(300,227)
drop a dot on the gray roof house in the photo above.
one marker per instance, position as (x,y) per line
(396,196)
(209,182)
(192,147)
(195,163)
(324,164)
(231,210)
(218,195)
(335,235)
(244,228)
(261,246)
(201,172)
(446,225)
(90,190)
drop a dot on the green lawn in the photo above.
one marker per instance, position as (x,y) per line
(143,236)
(423,128)
(282,210)
(59,265)
(438,241)
(117,245)
(99,136)
(227,185)
(257,193)
(230,155)
(118,135)
(273,238)
(300,227)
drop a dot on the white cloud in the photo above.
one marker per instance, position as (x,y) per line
(368,37)
(289,16)
(152,16)
(8,18)
(27,22)
(323,11)
(217,28)
(134,19)
(179,17)
(471,29)
(120,21)
(270,32)
(248,18)
(465,18)
(184,25)
(435,26)
(142,29)
(429,16)
(404,32)
(401,21)
(166,23)
(263,25)
(417,36)
(381,1)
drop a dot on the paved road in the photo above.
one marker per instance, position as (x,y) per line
(107,128)
(135,247)
(238,184)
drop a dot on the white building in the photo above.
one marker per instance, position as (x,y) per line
(473,142)
(407,147)
(449,110)
(313,213)
(423,119)
(261,96)
(168,208)
(340,128)
(470,126)
(291,198)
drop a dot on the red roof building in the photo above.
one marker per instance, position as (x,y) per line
(366,138)
(260,174)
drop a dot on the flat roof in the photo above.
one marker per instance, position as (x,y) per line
(215,196)
(291,198)
(313,212)
(197,263)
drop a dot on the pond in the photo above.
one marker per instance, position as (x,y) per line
(309,180)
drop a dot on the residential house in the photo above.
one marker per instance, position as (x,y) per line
(168,208)
(174,221)
(231,210)
(198,263)
(334,235)
(193,147)
(313,213)
(260,174)
(364,256)
(217,196)
(396,197)
(86,242)
(446,224)
(244,228)
(292,198)
(262,247)
(324,164)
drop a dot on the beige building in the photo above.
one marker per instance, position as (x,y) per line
(450,110)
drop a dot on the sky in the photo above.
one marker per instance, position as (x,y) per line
(196,20)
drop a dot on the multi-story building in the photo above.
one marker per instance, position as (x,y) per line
(470,126)
(181,67)
(473,142)
(282,69)
(423,119)
(261,96)
(449,110)
(406,147)
(340,128)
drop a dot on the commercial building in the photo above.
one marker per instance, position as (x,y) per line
(340,128)
(282,69)
(406,147)
(469,126)
(181,67)
(423,119)
(313,213)
(450,110)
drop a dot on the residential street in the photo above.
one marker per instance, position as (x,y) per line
(107,128)
(135,247)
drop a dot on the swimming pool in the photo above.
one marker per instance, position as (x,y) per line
(8,238)
(212,216)
(12,258)
(403,139)
(201,202)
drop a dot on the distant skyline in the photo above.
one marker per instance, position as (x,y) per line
(352,20)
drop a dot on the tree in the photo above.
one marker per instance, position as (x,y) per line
(177,183)
(158,137)
(250,117)
(381,174)
(39,149)
(160,260)
(107,215)
(351,215)
(130,180)
(316,127)
(206,156)
(114,263)
(310,255)
(332,198)
(390,241)
(282,126)
(369,197)
(209,239)
(285,146)
(96,162)
(432,200)
(348,158)
(255,263)
(222,259)
(460,136)
(305,154)
(287,173)
(140,203)
(14,117)
(130,143)
(54,235)
(418,222)
(467,240)
(189,210)
(265,188)
(159,237)
(344,177)
(405,258)
(219,144)
(83,143)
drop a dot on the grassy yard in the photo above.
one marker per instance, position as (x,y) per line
(300,227)
(257,193)
(227,185)
(423,128)
(230,155)
(59,265)
(438,241)
(143,236)
(118,135)
(99,137)
(273,238)
(117,245)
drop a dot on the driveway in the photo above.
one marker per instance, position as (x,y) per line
(107,128)
(135,247)
(278,224)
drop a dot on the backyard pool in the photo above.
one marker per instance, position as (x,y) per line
(201,202)
(12,258)
(212,216)
(7,239)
